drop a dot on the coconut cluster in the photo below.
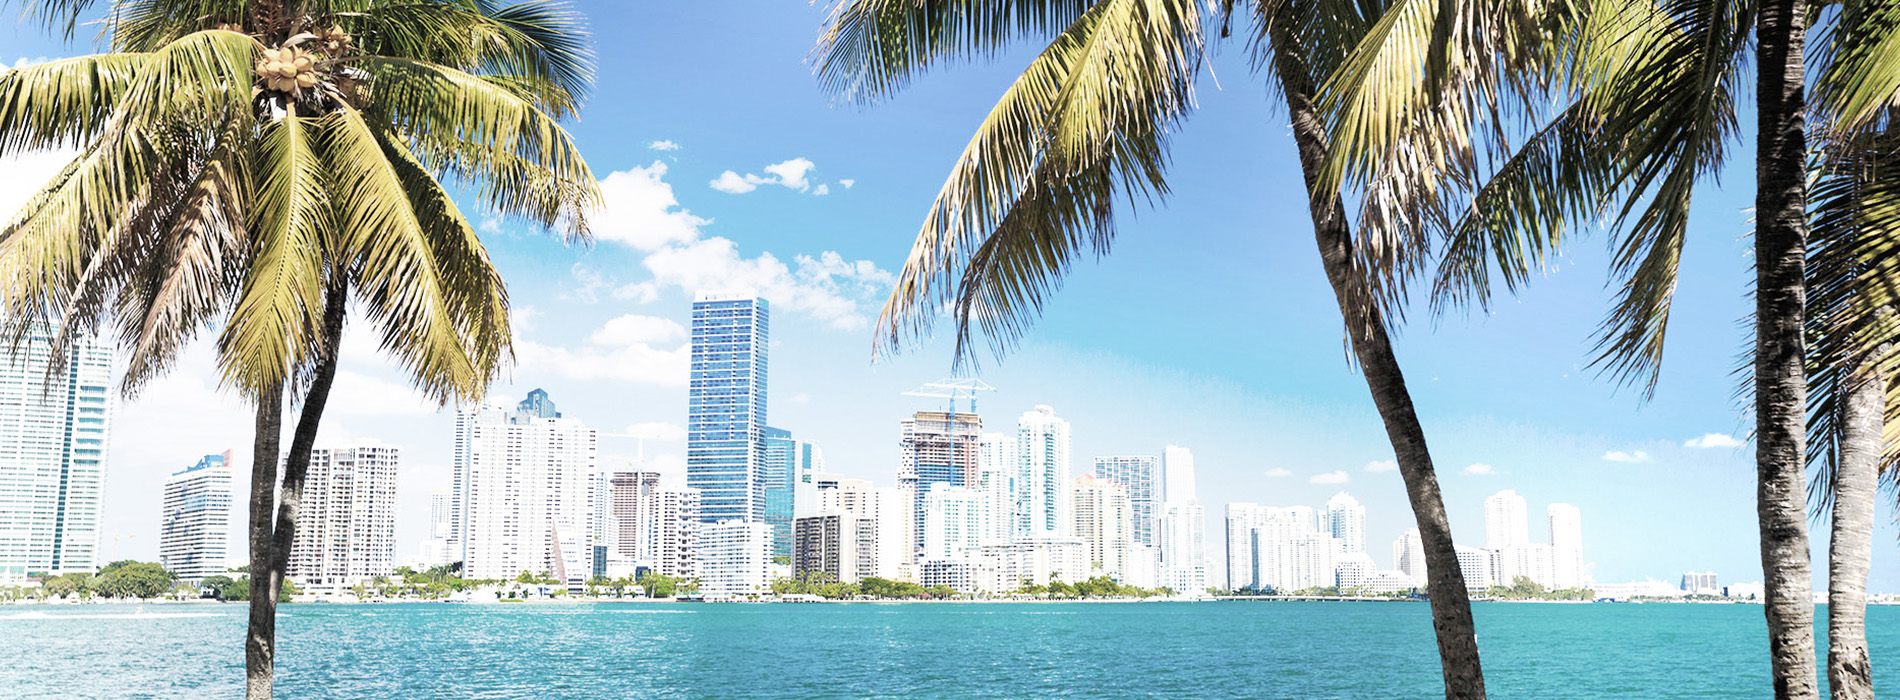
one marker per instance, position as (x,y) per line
(289,70)
(333,41)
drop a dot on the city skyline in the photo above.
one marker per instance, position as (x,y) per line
(1140,349)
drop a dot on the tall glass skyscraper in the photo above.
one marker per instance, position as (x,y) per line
(725,413)
(790,487)
(195,536)
(52,458)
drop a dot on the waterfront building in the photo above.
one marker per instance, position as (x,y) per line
(1182,528)
(676,533)
(1648,588)
(1478,566)
(967,575)
(1700,582)
(348,531)
(1140,475)
(732,557)
(839,544)
(726,400)
(1533,561)
(1353,571)
(523,490)
(436,550)
(1242,519)
(1104,523)
(53,434)
(1408,556)
(1290,552)
(889,506)
(1345,520)
(1389,581)
(1042,476)
(955,519)
(936,447)
(1505,524)
(1566,544)
(1032,561)
(626,510)
(194,539)
(996,476)
(789,488)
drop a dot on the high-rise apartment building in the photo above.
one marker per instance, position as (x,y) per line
(1242,520)
(1345,520)
(790,464)
(1104,522)
(726,396)
(1182,528)
(1700,582)
(1140,475)
(1290,551)
(1042,474)
(1505,522)
(937,447)
(1566,544)
(524,482)
(889,506)
(436,550)
(996,467)
(732,557)
(194,539)
(956,519)
(348,533)
(1479,567)
(53,432)
(837,544)
(1408,556)
(676,533)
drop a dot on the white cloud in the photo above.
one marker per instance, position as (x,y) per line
(23,62)
(1480,469)
(634,329)
(790,174)
(821,190)
(1713,440)
(521,318)
(827,287)
(362,396)
(730,182)
(1631,457)
(490,225)
(663,146)
(847,183)
(801,398)
(1382,466)
(629,349)
(1277,473)
(1332,477)
(658,431)
(641,211)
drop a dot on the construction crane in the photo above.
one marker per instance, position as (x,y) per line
(953,388)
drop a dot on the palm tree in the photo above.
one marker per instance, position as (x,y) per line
(1648,113)
(1088,120)
(271,162)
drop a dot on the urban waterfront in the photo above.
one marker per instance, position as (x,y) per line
(974,650)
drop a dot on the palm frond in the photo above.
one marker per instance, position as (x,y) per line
(280,301)
(1859,66)
(870,49)
(62,103)
(1087,118)
(521,160)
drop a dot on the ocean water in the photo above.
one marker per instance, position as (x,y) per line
(1073,650)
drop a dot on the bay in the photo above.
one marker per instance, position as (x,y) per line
(1008,650)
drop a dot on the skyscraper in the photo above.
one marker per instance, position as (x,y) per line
(956,519)
(1408,556)
(194,540)
(1505,523)
(936,447)
(1290,552)
(1042,475)
(789,489)
(725,413)
(52,457)
(627,510)
(1345,519)
(1138,474)
(1566,544)
(1182,529)
(436,550)
(523,483)
(732,557)
(837,544)
(997,468)
(1104,522)
(348,534)
(1242,520)
(889,506)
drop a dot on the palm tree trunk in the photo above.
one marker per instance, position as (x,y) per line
(1780,381)
(270,546)
(1850,546)
(1450,601)
(261,630)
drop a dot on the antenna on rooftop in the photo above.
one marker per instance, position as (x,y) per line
(953,388)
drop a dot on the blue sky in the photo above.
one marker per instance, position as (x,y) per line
(1209,326)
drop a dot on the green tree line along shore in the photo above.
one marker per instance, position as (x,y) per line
(252,169)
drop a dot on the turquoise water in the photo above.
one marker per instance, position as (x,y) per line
(1077,650)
